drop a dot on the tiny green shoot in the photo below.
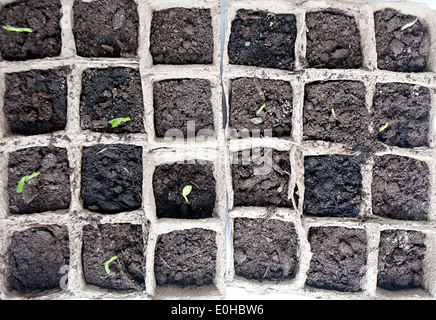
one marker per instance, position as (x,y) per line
(261,108)
(10,28)
(383,127)
(106,264)
(186,190)
(333,112)
(25,179)
(117,121)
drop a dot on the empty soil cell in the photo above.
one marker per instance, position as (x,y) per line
(112,178)
(170,179)
(406,109)
(35,102)
(48,191)
(103,242)
(182,36)
(400,259)
(35,258)
(338,258)
(109,94)
(333,40)
(265,249)
(261,178)
(333,186)
(43,18)
(182,106)
(263,39)
(186,258)
(248,95)
(403,41)
(106,28)
(400,188)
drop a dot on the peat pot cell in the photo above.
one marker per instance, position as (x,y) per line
(402,114)
(113,257)
(38,258)
(403,42)
(35,101)
(261,178)
(184,191)
(400,188)
(186,258)
(335,111)
(338,258)
(111,100)
(182,36)
(265,249)
(333,186)
(106,28)
(333,40)
(258,105)
(183,108)
(38,180)
(38,31)
(400,259)
(112,178)
(263,39)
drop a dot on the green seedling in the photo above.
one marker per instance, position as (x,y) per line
(25,179)
(10,28)
(333,112)
(261,108)
(383,127)
(117,121)
(106,264)
(186,190)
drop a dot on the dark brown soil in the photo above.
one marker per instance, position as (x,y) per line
(400,259)
(112,178)
(333,186)
(186,258)
(338,258)
(265,249)
(108,94)
(102,242)
(261,178)
(249,94)
(400,188)
(333,40)
(43,17)
(176,102)
(406,109)
(168,183)
(35,101)
(106,28)
(263,39)
(48,191)
(182,36)
(36,256)
(401,45)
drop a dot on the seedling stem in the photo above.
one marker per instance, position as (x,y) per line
(106,264)
(10,28)
(383,127)
(25,179)
(261,108)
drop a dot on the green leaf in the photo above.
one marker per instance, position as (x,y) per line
(186,190)
(117,121)
(261,108)
(25,179)
(10,28)
(106,264)
(383,127)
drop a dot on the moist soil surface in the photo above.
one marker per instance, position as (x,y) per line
(249,94)
(168,183)
(400,188)
(261,178)
(48,191)
(43,17)
(186,258)
(263,39)
(333,40)
(36,256)
(338,258)
(106,28)
(101,243)
(177,102)
(35,101)
(273,256)
(108,94)
(403,42)
(182,36)
(112,178)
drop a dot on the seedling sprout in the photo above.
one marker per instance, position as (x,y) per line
(106,264)
(333,112)
(10,28)
(383,127)
(25,179)
(117,121)
(186,190)
(261,108)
